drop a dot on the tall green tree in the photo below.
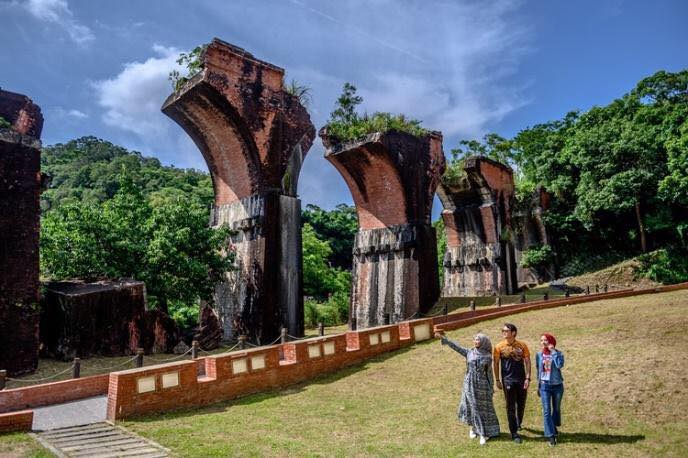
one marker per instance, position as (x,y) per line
(170,247)
(338,228)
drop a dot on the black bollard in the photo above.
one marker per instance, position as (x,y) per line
(499,301)
(545,297)
(471,305)
(194,349)
(353,324)
(76,368)
(139,357)
(567,293)
(386,319)
(242,342)
(3,379)
(523,298)
(606,288)
(283,336)
(321,329)
(597,288)
(445,309)
(587,289)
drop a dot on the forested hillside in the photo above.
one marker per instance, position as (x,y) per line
(88,169)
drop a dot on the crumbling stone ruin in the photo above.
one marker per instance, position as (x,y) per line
(392,177)
(480,259)
(530,231)
(20,187)
(254,137)
(108,318)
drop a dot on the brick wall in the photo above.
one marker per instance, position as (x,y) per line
(16,421)
(20,183)
(231,375)
(53,393)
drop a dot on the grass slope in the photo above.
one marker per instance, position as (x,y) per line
(624,396)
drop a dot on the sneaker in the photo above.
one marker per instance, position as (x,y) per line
(472,434)
(516,438)
(552,441)
(483,440)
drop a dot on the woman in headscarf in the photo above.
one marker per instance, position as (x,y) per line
(476,408)
(549,362)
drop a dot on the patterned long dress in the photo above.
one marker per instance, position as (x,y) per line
(476,408)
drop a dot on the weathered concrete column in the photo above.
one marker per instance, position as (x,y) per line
(530,231)
(20,187)
(479,260)
(254,137)
(392,177)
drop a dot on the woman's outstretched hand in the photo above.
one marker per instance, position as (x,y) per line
(439,334)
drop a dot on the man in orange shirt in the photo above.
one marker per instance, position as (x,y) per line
(511,358)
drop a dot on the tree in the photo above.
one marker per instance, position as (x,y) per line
(169,247)
(320,280)
(338,228)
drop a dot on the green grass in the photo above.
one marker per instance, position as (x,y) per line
(624,396)
(20,445)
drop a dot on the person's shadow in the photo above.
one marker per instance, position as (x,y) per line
(583,437)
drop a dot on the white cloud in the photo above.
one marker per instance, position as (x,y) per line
(73,113)
(58,12)
(132,99)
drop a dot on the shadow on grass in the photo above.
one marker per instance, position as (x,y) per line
(591,438)
(222,406)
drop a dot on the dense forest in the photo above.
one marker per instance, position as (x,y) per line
(617,176)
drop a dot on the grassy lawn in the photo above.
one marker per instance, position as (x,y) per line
(18,445)
(625,396)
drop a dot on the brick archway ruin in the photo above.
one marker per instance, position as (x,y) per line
(392,178)
(254,137)
(479,260)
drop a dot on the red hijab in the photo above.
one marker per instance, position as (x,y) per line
(550,340)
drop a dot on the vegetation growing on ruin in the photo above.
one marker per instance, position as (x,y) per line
(192,62)
(617,175)
(301,92)
(345,124)
(4,123)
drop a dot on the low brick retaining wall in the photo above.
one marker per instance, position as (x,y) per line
(230,375)
(53,393)
(16,421)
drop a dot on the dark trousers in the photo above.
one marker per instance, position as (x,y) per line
(515,404)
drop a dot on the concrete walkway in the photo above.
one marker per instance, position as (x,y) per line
(76,413)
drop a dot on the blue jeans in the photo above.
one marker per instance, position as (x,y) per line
(551,406)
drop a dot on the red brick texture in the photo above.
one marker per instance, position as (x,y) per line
(16,421)
(20,185)
(392,177)
(236,374)
(53,393)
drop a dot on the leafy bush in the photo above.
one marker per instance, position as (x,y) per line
(4,123)
(193,63)
(346,124)
(537,257)
(666,266)
(332,312)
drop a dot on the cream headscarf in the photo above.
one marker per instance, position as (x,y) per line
(484,349)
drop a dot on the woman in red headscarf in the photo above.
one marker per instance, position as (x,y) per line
(549,362)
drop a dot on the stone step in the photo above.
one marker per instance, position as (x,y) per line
(99,440)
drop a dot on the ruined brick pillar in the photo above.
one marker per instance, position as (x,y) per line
(20,187)
(253,136)
(529,232)
(392,177)
(479,260)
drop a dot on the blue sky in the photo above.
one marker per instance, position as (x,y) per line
(464,67)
